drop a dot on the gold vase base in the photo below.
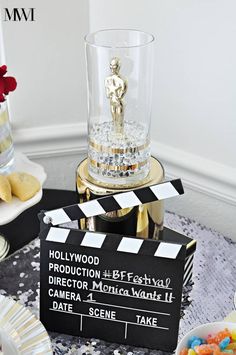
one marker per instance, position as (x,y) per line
(145,221)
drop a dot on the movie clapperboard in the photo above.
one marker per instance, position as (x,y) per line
(122,289)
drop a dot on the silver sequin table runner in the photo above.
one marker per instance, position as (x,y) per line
(212,294)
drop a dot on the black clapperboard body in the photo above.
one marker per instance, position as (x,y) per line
(118,288)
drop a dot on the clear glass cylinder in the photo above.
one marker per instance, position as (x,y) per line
(119,73)
(6,141)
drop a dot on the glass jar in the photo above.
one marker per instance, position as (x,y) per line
(6,142)
(119,73)
(4,247)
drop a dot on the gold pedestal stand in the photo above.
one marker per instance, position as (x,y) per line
(144,221)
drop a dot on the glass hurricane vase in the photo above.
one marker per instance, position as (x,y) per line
(6,142)
(119,72)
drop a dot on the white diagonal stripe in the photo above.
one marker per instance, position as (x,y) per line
(91,208)
(130,245)
(168,250)
(189,267)
(93,240)
(57,235)
(188,272)
(164,190)
(127,199)
(188,277)
(188,261)
(58,216)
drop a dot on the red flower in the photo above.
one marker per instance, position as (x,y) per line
(7,83)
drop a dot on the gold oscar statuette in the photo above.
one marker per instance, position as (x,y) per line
(116,88)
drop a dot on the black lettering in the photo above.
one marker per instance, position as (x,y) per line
(19,14)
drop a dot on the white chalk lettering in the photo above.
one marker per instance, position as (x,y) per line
(100,286)
(142,280)
(169,297)
(154,295)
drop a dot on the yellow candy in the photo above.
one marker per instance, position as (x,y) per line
(191,352)
(231,346)
(233,334)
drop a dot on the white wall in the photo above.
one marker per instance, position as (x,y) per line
(194,102)
(194,106)
(49,108)
(47,58)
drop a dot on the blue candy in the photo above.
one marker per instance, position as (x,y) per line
(196,342)
(191,340)
(224,343)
